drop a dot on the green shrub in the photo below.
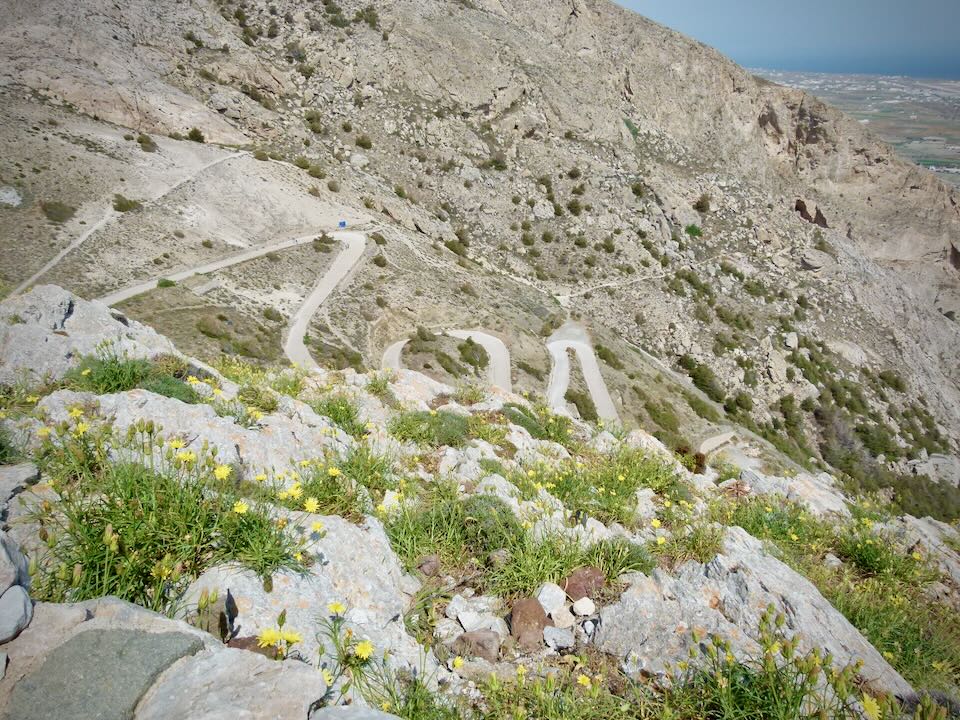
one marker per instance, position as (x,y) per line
(343,411)
(171,387)
(56,211)
(584,404)
(608,356)
(701,407)
(196,135)
(146,142)
(473,354)
(122,204)
(165,283)
(693,231)
(539,422)
(364,141)
(433,428)
(703,378)
(702,204)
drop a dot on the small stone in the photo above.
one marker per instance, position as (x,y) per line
(832,561)
(791,340)
(499,558)
(558,638)
(527,621)
(456,606)
(14,569)
(429,565)
(563,618)
(589,626)
(551,597)
(584,606)
(15,612)
(584,582)
(14,478)
(481,643)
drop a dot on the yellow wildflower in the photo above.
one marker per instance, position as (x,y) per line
(298,556)
(794,537)
(269,637)
(81,428)
(327,676)
(192,379)
(260,477)
(311,505)
(186,456)
(621,478)
(381,509)
(916,556)
(768,508)
(85,372)
(661,540)
(583,680)
(433,413)
(218,392)
(386,706)
(76,412)
(177,443)
(655,523)
(222,472)
(316,527)
(33,398)
(870,707)
(295,491)
(240,507)
(333,472)
(457,662)
(667,503)
(304,463)
(363,650)
(290,637)
(43,432)
(337,608)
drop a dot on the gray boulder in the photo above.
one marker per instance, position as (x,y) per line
(727,597)
(15,612)
(43,331)
(818,493)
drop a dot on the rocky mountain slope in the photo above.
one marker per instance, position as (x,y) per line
(575,242)
(384,540)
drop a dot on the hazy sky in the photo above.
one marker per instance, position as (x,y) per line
(907,37)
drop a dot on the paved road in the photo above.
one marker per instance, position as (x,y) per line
(181,275)
(574,336)
(110,215)
(498,370)
(293,345)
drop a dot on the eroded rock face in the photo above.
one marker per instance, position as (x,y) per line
(818,493)
(44,331)
(653,621)
(355,566)
(931,537)
(278,442)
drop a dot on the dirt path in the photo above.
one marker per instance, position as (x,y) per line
(111,215)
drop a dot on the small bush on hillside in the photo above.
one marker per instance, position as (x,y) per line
(122,204)
(364,141)
(343,411)
(196,135)
(693,231)
(702,204)
(165,283)
(433,428)
(57,212)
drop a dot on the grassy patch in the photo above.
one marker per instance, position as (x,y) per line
(433,428)
(343,411)
(143,534)
(108,372)
(57,212)
(539,422)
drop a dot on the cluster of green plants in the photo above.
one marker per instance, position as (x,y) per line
(880,588)
(603,486)
(464,532)
(343,410)
(143,526)
(540,422)
(109,371)
(430,427)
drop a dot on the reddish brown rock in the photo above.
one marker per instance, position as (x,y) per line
(429,565)
(527,621)
(584,582)
(479,643)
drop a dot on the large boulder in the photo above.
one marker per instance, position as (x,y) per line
(355,566)
(818,493)
(654,620)
(277,442)
(44,331)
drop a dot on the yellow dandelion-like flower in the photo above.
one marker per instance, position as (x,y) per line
(916,556)
(33,398)
(386,706)
(457,662)
(261,477)
(433,413)
(177,443)
(316,527)
(768,508)
(381,509)
(337,608)
(295,491)
(76,412)
(655,523)
(298,556)
(43,432)
(667,503)
(222,472)
(583,680)
(85,372)
(269,637)
(186,456)
(363,650)
(333,472)
(283,495)
(218,392)
(794,537)
(311,505)
(192,379)
(291,637)
(327,676)
(621,477)
(304,463)
(521,670)
(240,507)
(81,429)
(870,707)
(661,540)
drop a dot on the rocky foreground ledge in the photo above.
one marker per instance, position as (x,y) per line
(314,545)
